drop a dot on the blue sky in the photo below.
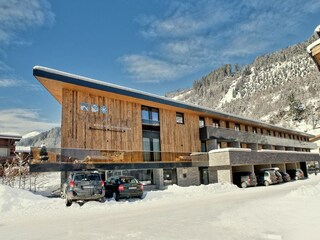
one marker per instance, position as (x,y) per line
(151,45)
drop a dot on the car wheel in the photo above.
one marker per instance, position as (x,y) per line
(266,183)
(68,202)
(102,200)
(244,185)
(62,195)
(117,196)
(141,196)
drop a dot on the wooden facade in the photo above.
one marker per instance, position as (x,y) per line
(106,121)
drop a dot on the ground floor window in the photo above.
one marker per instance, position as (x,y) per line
(169,176)
(144,176)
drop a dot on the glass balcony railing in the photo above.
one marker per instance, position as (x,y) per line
(150,122)
(84,156)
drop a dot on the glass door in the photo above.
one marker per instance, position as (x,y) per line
(151,146)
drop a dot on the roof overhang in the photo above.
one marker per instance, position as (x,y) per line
(314,48)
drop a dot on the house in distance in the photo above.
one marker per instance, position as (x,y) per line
(159,140)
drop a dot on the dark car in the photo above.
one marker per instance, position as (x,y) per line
(123,187)
(296,174)
(244,179)
(267,177)
(279,176)
(83,186)
(285,176)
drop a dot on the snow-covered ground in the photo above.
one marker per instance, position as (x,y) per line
(215,211)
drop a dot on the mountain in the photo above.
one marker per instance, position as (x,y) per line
(52,139)
(31,134)
(281,88)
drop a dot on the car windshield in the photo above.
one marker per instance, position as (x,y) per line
(125,180)
(87,177)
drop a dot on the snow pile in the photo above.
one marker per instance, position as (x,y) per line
(222,211)
(17,200)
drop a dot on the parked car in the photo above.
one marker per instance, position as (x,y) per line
(285,176)
(279,176)
(267,177)
(296,174)
(123,187)
(245,179)
(83,186)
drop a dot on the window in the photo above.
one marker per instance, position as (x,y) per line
(150,116)
(201,122)
(254,130)
(215,123)
(237,127)
(179,118)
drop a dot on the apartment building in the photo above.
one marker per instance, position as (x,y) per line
(159,140)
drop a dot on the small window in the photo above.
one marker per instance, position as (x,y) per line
(254,130)
(201,122)
(179,118)
(237,127)
(215,123)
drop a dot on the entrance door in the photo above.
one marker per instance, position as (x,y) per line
(204,176)
(151,146)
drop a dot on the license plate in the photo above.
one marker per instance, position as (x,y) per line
(86,187)
(132,188)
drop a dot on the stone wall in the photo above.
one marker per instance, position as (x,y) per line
(188,176)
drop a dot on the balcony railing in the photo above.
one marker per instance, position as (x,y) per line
(85,156)
(150,122)
(230,135)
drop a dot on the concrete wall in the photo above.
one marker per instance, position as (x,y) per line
(220,175)
(158,178)
(188,176)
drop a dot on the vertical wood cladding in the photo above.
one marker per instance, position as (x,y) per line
(118,129)
(121,128)
(179,137)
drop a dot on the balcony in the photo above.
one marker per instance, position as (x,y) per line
(149,122)
(230,135)
(238,157)
(68,159)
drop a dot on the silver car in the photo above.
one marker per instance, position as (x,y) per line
(83,186)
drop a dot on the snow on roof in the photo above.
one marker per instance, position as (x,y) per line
(312,45)
(15,136)
(22,149)
(96,84)
(317,31)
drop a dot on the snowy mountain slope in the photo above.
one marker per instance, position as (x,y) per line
(264,89)
(51,139)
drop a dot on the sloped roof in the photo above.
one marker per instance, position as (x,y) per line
(54,81)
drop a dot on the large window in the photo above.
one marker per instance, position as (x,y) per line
(179,118)
(150,116)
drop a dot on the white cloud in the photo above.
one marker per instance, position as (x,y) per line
(8,83)
(23,121)
(19,15)
(148,69)
(206,33)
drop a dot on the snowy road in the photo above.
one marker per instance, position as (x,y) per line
(218,211)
